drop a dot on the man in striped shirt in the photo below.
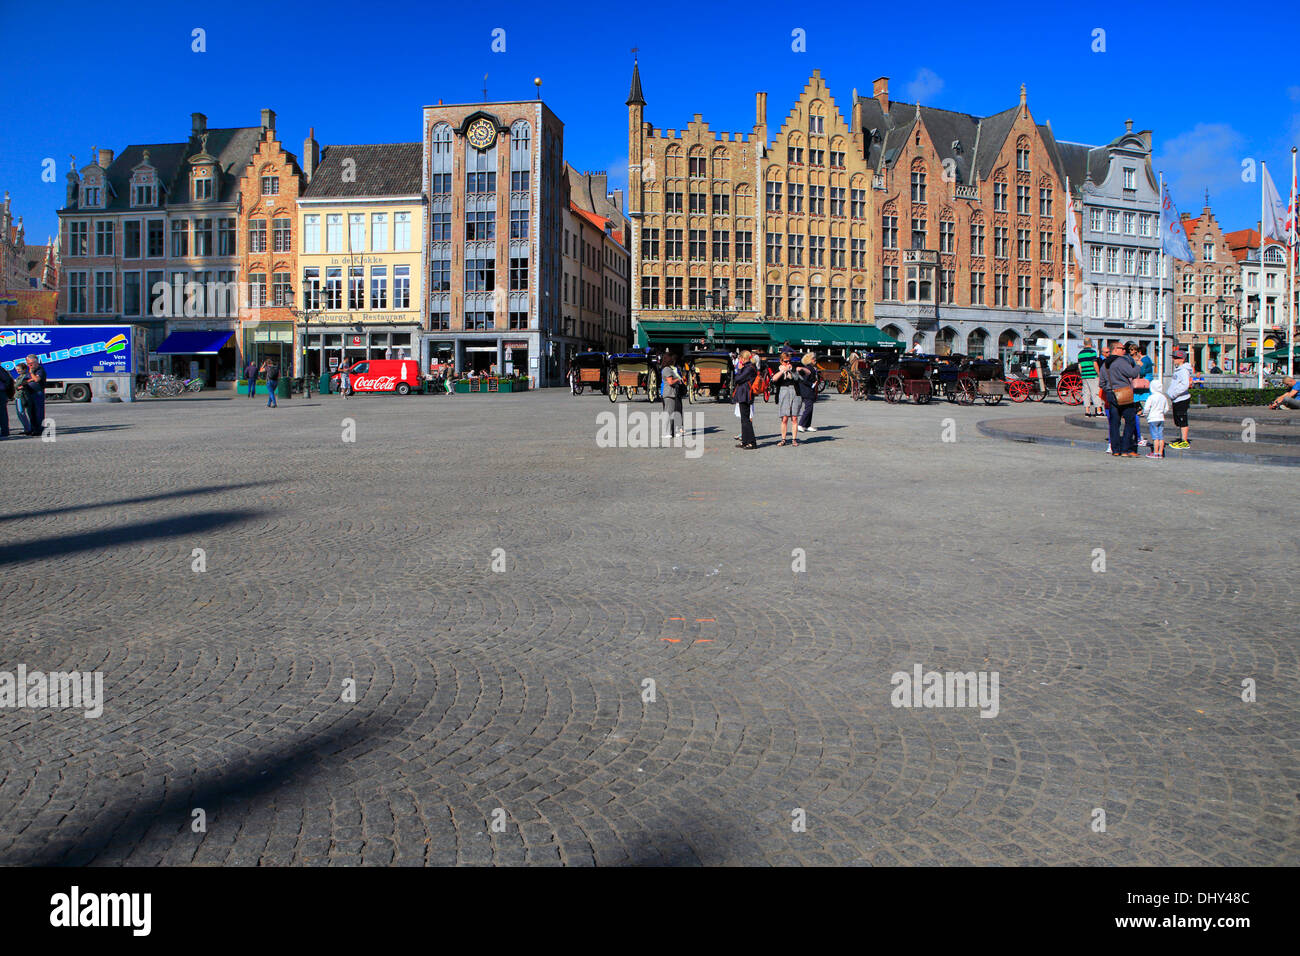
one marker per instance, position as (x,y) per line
(1088,360)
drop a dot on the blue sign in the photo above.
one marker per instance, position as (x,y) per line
(69,351)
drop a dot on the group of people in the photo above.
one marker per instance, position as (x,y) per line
(26,389)
(269,370)
(795,384)
(1120,383)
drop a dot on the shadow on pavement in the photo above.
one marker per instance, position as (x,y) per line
(120,827)
(138,532)
(206,490)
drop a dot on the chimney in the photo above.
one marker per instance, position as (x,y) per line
(1128,126)
(105,158)
(198,124)
(268,120)
(310,154)
(1024,111)
(880,90)
(1145,136)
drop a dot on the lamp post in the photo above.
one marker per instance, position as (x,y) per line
(304,317)
(720,315)
(1219,304)
(1236,323)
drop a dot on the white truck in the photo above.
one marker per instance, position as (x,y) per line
(75,355)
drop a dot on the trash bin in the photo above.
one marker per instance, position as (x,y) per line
(283,387)
(324,385)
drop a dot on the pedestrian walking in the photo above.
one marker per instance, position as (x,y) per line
(1156,408)
(1180,396)
(272,373)
(674,385)
(1089,360)
(250,373)
(34,386)
(742,395)
(345,383)
(1121,380)
(788,402)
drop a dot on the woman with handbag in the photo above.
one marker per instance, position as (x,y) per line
(1122,380)
(742,394)
(788,401)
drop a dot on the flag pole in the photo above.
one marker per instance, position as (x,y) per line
(1259,342)
(1160,293)
(1290,284)
(1065,318)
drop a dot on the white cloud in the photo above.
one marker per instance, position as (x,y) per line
(925,87)
(1208,156)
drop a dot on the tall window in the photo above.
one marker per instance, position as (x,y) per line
(773,302)
(480,170)
(104,233)
(977,238)
(311,288)
(378,287)
(999,197)
(282,235)
(334,232)
(203,237)
(1022,158)
(311,233)
(77,292)
(226,237)
(357,232)
(1022,200)
(270,186)
(947,241)
(744,247)
(773,195)
(977,289)
(889,283)
(103,292)
(334,288)
(257,235)
(281,291)
(889,232)
(918,185)
(649,292)
(440,160)
(1000,290)
(379,231)
(402,232)
(858,203)
(672,244)
(356,287)
(721,245)
(131,246)
(154,241)
(1045,201)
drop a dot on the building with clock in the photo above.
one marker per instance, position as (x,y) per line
(494,178)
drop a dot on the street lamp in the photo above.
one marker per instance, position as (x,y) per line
(720,315)
(1219,304)
(1236,323)
(304,317)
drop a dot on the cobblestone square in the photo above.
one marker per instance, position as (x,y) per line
(500,592)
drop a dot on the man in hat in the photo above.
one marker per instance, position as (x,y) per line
(1180,396)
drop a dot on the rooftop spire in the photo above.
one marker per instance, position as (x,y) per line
(635,97)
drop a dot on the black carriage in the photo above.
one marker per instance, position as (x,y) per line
(987,377)
(708,375)
(633,373)
(590,370)
(871,373)
(910,377)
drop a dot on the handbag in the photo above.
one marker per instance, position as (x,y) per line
(1123,396)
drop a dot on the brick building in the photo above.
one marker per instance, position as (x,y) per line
(268,213)
(150,238)
(494,177)
(594,290)
(971,218)
(29,275)
(1205,295)
(708,259)
(1262,289)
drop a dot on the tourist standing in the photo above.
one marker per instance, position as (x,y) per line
(250,373)
(1180,396)
(1140,395)
(788,402)
(1156,408)
(272,373)
(34,386)
(1120,373)
(1088,364)
(8,389)
(674,388)
(808,375)
(742,395)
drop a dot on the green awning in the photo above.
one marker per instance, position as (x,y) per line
(1279,355)
(676,333)
(828,335)
(769,334)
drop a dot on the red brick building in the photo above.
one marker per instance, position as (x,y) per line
(1205,295)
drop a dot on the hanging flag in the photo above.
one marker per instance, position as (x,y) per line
(1275,214)
(1173,238)
(1072,224)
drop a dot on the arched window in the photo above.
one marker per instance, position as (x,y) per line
(1273,256)
(720,164)
(440,148)
(673,161)
(521,148)
(977,344)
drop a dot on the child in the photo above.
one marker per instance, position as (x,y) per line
(1156,407)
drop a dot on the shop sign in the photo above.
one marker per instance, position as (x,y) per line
(516,345)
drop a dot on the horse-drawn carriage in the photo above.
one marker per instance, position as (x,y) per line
(871,372)
(910,377)
(1028,377)
(633,373)
(590,370)
(831,370)
(708,375)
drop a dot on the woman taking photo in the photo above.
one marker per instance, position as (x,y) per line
(786,382)
(742,394)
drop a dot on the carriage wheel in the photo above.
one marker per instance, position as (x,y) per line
(613,393)
(966,393)
(577,389)
(1038,395)
(893,390)
(923,398)
(821,386)
(843,384)
(1069,389)
(1019,391)
(991,400)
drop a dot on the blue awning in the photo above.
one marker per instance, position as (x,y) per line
(194,343)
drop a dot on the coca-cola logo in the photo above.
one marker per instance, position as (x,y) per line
(381,383)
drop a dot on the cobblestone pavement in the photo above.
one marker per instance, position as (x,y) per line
(517,696)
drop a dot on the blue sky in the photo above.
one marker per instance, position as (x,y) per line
(1206,82)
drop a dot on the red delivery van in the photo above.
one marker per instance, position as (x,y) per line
(382,375)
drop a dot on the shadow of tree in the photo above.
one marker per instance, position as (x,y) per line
(143,499)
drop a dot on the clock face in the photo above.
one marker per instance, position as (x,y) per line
(482,133)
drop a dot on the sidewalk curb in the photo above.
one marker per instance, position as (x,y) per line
(991,429)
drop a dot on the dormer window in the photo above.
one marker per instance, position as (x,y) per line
(91,196)
(203,187)
(142,194)
(1130,177)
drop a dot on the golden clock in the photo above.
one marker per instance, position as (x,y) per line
(482,133)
